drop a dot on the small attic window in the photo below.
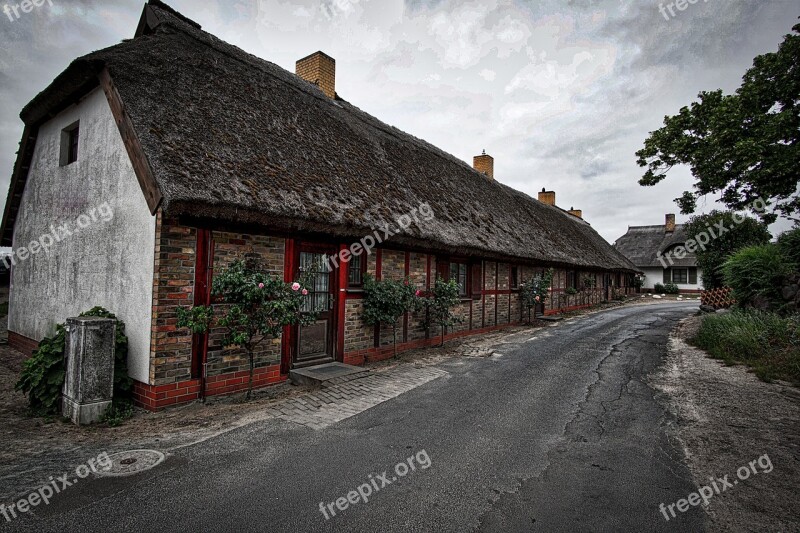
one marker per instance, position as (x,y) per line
(69,144)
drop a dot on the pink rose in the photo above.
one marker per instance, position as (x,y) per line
(537,298)
(418,292)
(305,292)
(295,286)
(260,285)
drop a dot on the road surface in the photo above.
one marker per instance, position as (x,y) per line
(558,431)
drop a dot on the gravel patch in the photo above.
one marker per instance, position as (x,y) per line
(725,418)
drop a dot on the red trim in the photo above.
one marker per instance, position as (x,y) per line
(204,261)
(428,272)
(21,343)
(359,357)
(405,316)
(341,296)
(483,294)
(378,274)
(157,397)
(496,287)
(288,273)
(509,290)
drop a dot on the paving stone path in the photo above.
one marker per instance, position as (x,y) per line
(341,398)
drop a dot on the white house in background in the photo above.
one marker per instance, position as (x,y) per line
(649,247)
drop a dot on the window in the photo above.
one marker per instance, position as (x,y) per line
(680,275)
(355,270)
(69,144)
(572,280)
(458,272)
(514,278)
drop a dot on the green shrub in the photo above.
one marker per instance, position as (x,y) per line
(386,301)
(789,244)
(439,303)
(658,288)
(117,413)
(671,288)
(42,377)
(757,273)
(765,341)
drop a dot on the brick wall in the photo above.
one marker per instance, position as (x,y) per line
(270,252)
(173,286)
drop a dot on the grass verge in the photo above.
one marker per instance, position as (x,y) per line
(766,342)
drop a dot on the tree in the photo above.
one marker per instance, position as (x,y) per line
(535,291)
(743,146)
(439,303)
(252,306)
(739,233)
(385,301)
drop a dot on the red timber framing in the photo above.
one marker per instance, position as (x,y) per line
(287,339)
(203,274)
(420,265)
(341,305)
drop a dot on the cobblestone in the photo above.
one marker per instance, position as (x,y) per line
(345,397)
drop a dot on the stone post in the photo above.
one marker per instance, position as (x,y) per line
(89,380)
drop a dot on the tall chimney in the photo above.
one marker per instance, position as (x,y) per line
(484,164)
(547,197)
(669,225)
(319,69)
(575,212)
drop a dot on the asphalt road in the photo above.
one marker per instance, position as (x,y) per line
(559,433)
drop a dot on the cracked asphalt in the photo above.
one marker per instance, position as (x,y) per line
(558,431)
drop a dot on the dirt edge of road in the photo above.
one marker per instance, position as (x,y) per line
(724,418)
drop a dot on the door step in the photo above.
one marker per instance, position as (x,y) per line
(313,362)
(318,375)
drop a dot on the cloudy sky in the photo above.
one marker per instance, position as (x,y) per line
(561,93)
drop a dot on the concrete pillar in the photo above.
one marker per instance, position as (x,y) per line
(89,380)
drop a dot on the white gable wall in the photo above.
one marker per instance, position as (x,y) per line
(108,263)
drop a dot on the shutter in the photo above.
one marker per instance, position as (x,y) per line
(693,275)
(667,278)
(477,280)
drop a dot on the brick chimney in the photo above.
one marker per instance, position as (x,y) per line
(576,212)
(547,197)
(484,164)
(669,224)
(319,69)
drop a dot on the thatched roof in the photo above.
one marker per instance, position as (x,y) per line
(234,138)
(642,245)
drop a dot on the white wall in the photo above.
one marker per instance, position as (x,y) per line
(656,275)
(109,264)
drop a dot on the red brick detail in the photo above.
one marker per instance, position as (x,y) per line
(157,397)
(360,357)
(566,309)
(22,343)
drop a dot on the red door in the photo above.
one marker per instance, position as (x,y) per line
(314,343)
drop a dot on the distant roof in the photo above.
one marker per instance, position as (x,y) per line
(643,243)
(232,137)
